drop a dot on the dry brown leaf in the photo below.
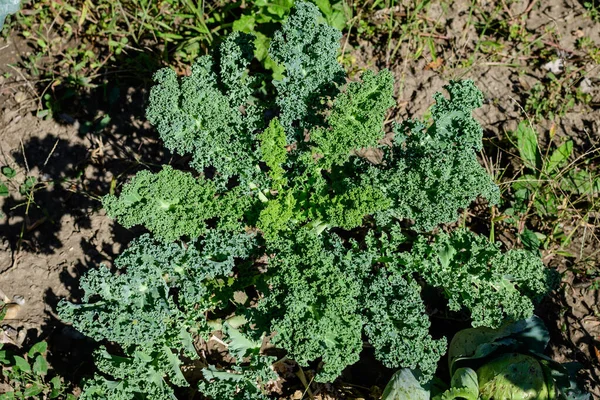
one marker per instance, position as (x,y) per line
(435,64)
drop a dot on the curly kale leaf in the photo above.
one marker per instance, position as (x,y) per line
(133,308)
(274,153)
(308,49)
(244,380)
(345,203)
(142,376)
(397,324)
(195,116)
(356,120)
(241,382)
(431,173)
(236,53)
(313,302)
(474,274)
(172,204)
(156,303)
(137,307)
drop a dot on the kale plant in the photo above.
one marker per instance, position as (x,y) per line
(278,204)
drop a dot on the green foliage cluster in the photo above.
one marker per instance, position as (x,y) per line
(554,96)
(553,184)
(29,376)
(280,206)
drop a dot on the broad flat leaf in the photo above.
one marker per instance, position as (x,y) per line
(40,365)
(527,144)
(56,387)
(33,390)
(245,24)
(27,185)
(530,240)
(22,364)
(580,182)
(446,255)
(3,190)
(477,343)
(404,385)
(527,181)
(3,358)
(38,348)
(559,156)
(464,382)
(334,15)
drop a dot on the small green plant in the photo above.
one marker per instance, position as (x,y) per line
(326,247)
(400,25)
(592,9)
(556,96)
(551,185)
(588,45)
(29,376)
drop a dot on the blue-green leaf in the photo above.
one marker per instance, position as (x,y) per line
(404,385)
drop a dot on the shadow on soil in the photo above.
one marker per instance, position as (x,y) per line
(70,176)
(112,143)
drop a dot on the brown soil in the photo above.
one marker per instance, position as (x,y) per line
(65,232)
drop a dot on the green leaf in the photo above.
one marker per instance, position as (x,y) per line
(33,390)
(22,364)
(245,24)
(527,144)
(40,365)
(8,172)
(27,185)
(56,387)
(3,190)
(559,156)
(55,382)
(38,348)
(464,383)
(239,344)
(527,181)
(404,385)
(446,255)
(7,396)
(530,240)
(580,182)
(3,358)
(174,363)
(103,123)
